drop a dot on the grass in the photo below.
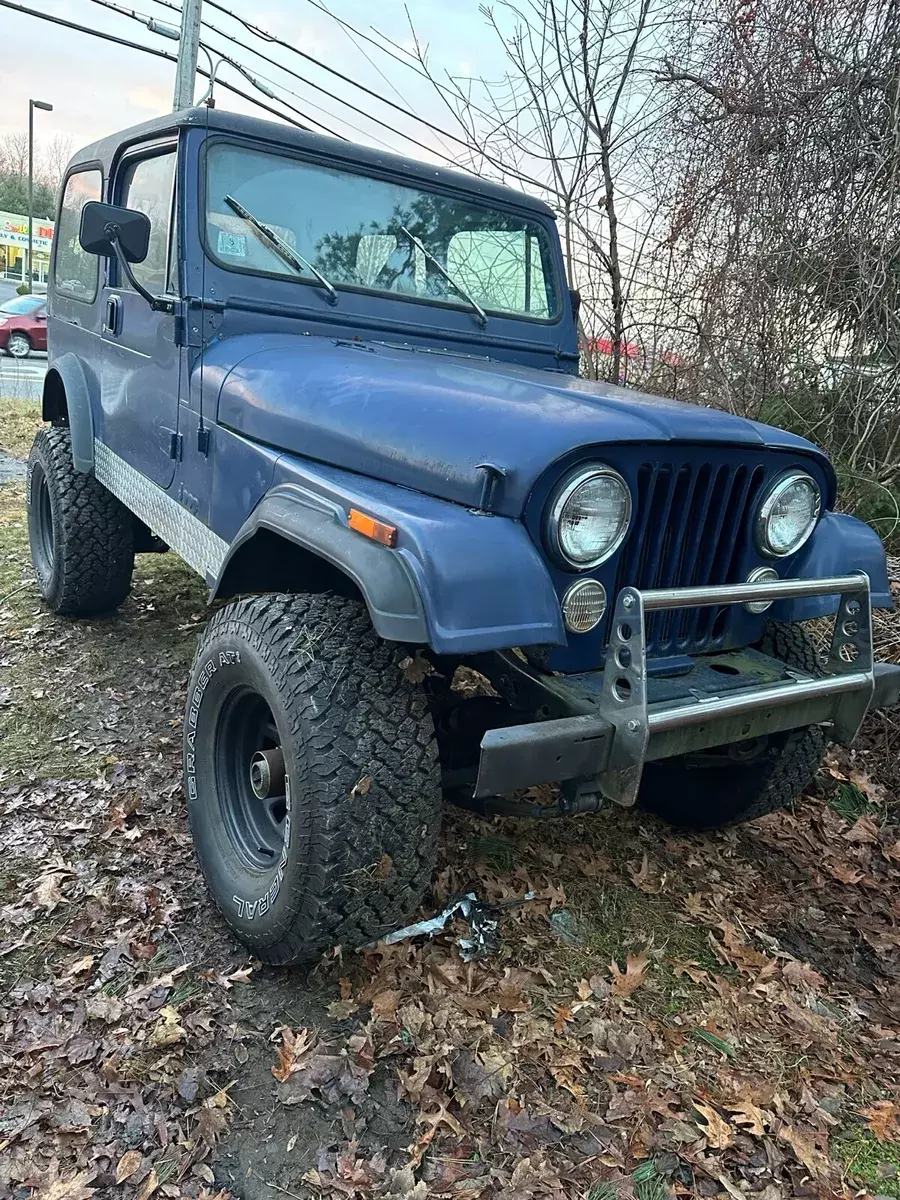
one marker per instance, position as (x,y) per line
(869,1161)
(19,422)
(55,671)
(849,802)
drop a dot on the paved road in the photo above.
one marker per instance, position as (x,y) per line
(22,378)
(7,290)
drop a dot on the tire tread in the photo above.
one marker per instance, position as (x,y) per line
(94,554)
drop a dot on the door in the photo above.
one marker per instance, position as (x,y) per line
(141,363)
(39,332)
(73,301)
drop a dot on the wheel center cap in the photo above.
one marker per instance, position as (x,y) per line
(267,773)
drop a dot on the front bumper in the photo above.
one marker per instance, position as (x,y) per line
(609,723)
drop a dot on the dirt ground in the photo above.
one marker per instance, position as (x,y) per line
(671,1015)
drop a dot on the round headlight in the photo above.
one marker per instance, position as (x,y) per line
(788,515)
(589,516)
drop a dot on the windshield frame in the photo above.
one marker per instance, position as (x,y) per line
(346,166)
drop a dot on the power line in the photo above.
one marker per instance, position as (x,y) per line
(142,19)
(264,35)
(120,41)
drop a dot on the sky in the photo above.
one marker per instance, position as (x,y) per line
(96,87)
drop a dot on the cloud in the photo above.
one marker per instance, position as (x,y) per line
(150,99)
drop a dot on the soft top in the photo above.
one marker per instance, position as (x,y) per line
(274,132)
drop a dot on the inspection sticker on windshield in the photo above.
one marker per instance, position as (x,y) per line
(232,244)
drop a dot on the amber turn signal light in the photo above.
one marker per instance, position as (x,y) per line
(378,531)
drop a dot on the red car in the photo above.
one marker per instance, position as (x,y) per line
(23,325)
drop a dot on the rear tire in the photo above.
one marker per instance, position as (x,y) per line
(699,791)
(341,844)
(81,536)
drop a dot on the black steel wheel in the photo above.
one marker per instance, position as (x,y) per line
(253,797)
(40,522)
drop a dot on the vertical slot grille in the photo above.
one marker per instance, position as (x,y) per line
(690,529)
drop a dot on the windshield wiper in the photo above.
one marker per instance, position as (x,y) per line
(284,251)
(482,315)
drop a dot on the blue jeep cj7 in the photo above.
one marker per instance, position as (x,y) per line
(343,386)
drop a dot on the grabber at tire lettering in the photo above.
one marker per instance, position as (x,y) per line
(311,772)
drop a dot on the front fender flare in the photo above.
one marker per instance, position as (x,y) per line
(383,578)
(840,545)
(67,372)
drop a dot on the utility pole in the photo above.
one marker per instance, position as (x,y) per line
(188,48)
(32,105)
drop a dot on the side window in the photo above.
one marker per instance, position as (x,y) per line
(148,185)
(75,273)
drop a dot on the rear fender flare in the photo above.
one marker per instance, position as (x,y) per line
(66,394)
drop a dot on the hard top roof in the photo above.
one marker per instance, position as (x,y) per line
(274,132)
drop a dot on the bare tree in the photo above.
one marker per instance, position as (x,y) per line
(785,219)
(567,120)
(54,158)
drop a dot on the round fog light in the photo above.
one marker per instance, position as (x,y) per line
(761,575)
(583,605)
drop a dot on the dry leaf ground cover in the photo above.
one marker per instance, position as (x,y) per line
(672,1015)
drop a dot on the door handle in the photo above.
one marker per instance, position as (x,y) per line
(113,316)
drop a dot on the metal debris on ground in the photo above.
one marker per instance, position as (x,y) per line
(482,918)
(566,927)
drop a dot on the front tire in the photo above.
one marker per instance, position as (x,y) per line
(81,536)
(312,778)
(707,791)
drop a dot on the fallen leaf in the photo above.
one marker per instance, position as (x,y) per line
(803,975)
(803,1143)
(385,866)
(584,990)
(340,1010)
(74,1188)
(563,1014)
(718,1133)
(151,1183)
(633,977)
(128,1164)
(844,872)
(865,830)
(892,852)
(416,669)
(79,967)
(384,1004)
(47,893)
(883,1118)
(167,1031)
(748,1116)
(361,787)
(647,877)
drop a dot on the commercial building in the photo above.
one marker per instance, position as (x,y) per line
(14,247)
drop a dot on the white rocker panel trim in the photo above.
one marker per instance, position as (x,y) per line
(200,548)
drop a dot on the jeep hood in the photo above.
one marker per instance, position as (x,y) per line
(426,419)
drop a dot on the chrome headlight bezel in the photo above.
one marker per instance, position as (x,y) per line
(775,492)
(561,497)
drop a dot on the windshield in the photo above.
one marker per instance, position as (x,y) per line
(355,230)
(23,304)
